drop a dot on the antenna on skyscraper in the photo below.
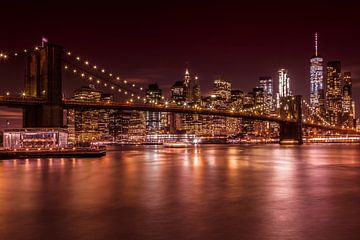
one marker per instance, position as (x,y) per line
(316,44)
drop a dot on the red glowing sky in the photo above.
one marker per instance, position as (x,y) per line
(151,42)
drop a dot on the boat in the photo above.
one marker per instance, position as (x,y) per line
(65,152)
(177,144)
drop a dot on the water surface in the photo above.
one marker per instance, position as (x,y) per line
(208,192)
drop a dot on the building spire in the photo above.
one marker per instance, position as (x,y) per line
(316,44)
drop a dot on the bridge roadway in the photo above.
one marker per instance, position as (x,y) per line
(20,102)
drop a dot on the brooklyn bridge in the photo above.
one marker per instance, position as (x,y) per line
(43,103)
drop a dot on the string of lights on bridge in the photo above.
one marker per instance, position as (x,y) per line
(112,87)
(316,114)
(101,70)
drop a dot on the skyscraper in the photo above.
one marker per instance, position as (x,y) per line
(187,90)
(153,119)
(187,86)
(284,83)
(316,79)
(222,89)
(267,85)
(348,105)
(346,92)
(196,92)
(333,92)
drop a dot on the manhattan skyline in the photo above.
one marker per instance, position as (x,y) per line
(151,43)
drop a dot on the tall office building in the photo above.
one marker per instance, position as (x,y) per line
(348,105)
(266,84)
(317,100)
(196,92)
(284,83)
(346,92)
(222,89)
(153,119)
(187,90)
(333,92)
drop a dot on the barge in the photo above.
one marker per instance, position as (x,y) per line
(57,153)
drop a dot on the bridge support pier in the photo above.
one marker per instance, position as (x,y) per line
(291,132)
(43,80)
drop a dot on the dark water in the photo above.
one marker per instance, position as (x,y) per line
(209,192)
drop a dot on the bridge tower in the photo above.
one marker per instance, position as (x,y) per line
(290,109)
(43,80)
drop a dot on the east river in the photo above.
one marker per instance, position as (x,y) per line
(205,192)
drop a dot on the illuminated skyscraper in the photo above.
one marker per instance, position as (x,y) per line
(333,92)
(316,79)
(187,90)
(153,119)
(347,88)
(196,92)
(187,86)
(348,105)
(222,89)
(284,83)
(267,85)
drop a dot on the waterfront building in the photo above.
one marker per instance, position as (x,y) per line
(35,138)
(86,122)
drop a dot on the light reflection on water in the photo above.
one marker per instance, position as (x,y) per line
(205,192)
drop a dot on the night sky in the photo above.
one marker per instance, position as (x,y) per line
(152,42)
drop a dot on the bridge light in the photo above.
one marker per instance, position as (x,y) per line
(138,97)
(110,75)
(15,54)
(95,67)
(90,78)
(87,62)
(125,81)
(119,90)
(132,94)
(117,78)
(105,84)
(141,88)
(66,67)
(7,93)
(125,93)
(69,53)
(98,81)
(5,56)
(78,58)
(23,94)
(133,85)
(36,48)
(25,51)
(103,70)
(112,87)
(83,75)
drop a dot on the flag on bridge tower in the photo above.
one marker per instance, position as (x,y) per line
(43,41)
